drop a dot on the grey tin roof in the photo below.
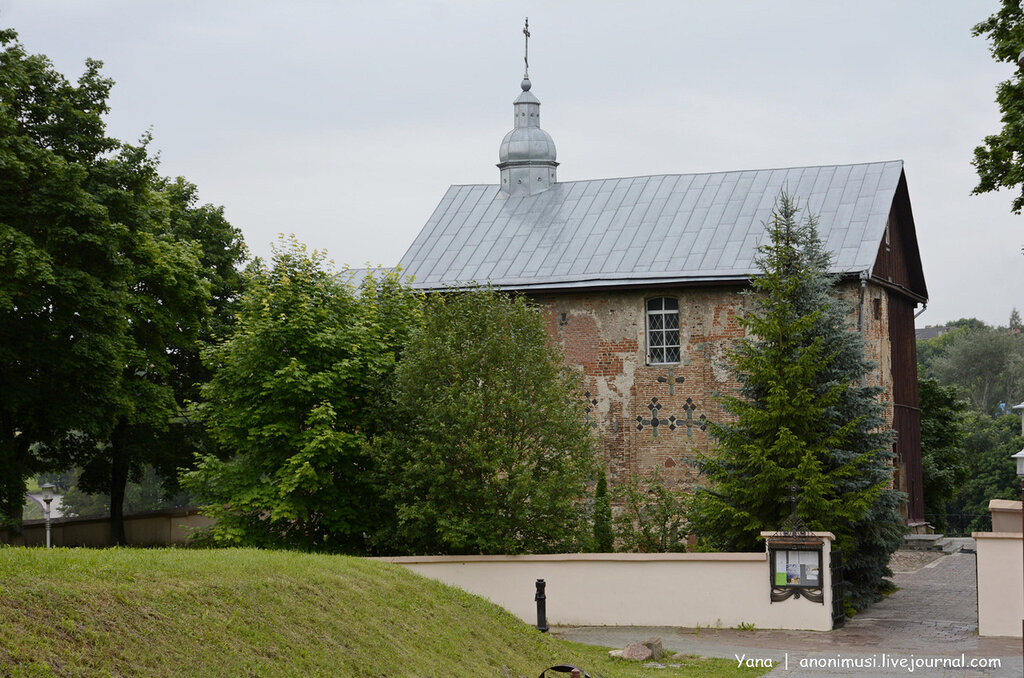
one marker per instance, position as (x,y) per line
(637,230)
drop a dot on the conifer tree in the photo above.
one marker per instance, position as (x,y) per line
(604,536)
(805,416)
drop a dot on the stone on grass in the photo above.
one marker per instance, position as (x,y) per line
(655,646)
(637,651)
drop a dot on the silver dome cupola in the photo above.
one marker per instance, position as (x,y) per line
(527,153)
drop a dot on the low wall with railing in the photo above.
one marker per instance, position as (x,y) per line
(642,589)
(166,527)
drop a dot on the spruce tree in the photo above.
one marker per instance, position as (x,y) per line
(880,531)
(804,415)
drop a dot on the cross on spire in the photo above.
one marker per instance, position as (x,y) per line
(526,54)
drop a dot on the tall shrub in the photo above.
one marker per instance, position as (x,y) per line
(297,390)
(652,518)
(486,450)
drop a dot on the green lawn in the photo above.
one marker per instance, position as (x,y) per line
(184,612)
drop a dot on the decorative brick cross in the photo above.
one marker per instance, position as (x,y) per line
(671,380)
(701,423)
(654,422)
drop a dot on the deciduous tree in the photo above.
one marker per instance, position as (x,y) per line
(62,275)
(986,365)
(987,446)
(486,449)
(106,270)
(296,391)
(183,282)
(944,465)
(1000,160)
(652,517)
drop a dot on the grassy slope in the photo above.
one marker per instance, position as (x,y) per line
(257,613)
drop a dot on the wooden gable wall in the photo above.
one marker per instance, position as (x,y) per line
(898,262)
(898,268)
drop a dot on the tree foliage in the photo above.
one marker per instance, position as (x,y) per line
(985,364)
(802,417)
(975,374)
(296,390)
(944,466)
(103,285)
(652,517)
(991,474)
(999,162)
(604,533)
(929,350)
(486,450)
(61,278)
(181,291)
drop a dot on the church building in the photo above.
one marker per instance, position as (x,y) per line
(640,279)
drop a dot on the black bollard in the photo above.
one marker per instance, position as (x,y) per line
(542,612)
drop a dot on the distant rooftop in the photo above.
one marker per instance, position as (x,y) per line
(923,333)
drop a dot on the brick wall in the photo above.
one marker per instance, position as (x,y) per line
(604,334)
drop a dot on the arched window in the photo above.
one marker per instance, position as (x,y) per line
(662,330)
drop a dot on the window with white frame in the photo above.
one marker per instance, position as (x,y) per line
(662,330)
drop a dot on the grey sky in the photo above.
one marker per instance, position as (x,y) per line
(344,123)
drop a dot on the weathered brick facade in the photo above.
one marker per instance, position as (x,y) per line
(603,333)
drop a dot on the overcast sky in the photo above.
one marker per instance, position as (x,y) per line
(344,123)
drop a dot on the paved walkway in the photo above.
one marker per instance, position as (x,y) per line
(933,617)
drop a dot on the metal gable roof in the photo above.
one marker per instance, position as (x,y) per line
(664,228)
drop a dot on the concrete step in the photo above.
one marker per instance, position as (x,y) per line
(955,544)
(923,542)
(936,542)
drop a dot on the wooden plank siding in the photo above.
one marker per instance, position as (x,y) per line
(906,413)
(898,268)
(898,262)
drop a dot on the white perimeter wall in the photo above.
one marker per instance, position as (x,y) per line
(1000,587)
(626,589)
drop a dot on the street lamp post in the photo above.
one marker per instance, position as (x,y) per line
(47,498)
(1019,458)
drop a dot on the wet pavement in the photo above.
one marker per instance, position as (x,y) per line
(927,628)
